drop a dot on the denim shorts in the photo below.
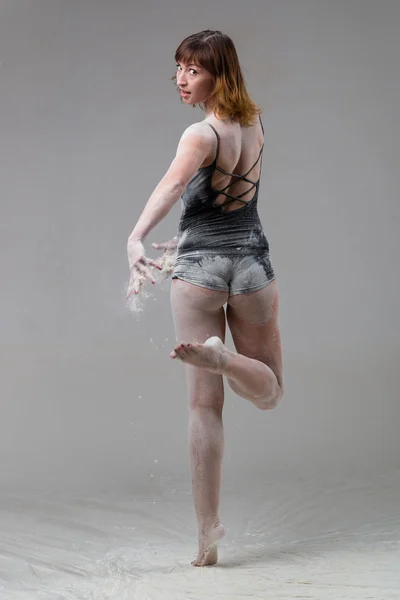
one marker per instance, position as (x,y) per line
(236,274)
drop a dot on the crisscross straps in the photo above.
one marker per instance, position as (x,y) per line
(230,197)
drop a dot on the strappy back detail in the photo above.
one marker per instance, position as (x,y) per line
(230,197)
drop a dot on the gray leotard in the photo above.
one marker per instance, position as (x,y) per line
(218,249)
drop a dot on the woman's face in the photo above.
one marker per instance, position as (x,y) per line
(196,81)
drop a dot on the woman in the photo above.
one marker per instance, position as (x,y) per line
(222,258)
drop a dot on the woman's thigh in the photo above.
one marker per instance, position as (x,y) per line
(199,314)
(253,321)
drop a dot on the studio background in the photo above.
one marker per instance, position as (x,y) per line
(90,121)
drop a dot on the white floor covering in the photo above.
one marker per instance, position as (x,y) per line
(311,538)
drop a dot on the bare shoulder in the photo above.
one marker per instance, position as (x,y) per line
(199,138)
(201,130)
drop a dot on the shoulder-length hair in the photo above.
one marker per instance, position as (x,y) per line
(215,52)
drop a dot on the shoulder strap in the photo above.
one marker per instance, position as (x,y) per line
(259,116)
(217,134)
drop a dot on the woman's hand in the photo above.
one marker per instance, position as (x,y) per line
(170,245)
(139,266)
(167,260)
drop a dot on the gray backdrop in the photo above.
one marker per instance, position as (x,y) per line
(89,123)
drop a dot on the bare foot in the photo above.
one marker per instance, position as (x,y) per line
(208,554)
(212,355)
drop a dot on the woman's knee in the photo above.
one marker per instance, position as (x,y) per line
(272,400)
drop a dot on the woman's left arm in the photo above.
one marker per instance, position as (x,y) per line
(193,148)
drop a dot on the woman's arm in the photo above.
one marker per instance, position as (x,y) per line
(193,149)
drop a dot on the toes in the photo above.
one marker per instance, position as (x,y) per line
(180,351)
(188,347)
(191,349)
(178,348)
(194,347)
(185,350)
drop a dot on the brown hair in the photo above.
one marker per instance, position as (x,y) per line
(216,53)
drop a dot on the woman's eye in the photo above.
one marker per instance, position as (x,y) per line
(179,67)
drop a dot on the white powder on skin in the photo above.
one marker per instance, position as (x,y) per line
(167,264)
(166,261)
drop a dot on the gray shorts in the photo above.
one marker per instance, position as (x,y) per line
(233,274)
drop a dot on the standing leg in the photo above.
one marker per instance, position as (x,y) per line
(198,314)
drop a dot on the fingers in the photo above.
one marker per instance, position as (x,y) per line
(133,287)
(154,264)
(140,270)
(165,245)
(135,283)
(139,273)
(144,270)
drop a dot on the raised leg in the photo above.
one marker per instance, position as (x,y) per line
(256,371)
